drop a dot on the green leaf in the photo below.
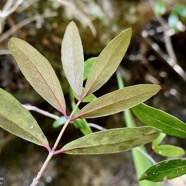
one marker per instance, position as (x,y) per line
(59,122)
(17,120)
(88,65)
(158,140)
(111,141)
(161,120)
(169,151)
(180,10)
(107,62)
(72,58)
(160,8)
(118,100)
(168,169)
(173,21)
(39,73)
(82,125)
(141,162)
(87,99)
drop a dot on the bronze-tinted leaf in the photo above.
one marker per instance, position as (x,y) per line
(39,73)
(118,100)
(108,61)
(72,58)
(15,119)
(111,141)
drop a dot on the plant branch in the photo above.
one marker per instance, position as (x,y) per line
(23,23)
(36,180)
(52,152)
(65,126)
(43,112)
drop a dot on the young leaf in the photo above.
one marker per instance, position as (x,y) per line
(168,169)
(17,120)
(87,99)
(169,151)
(158,140)
(160,120)
(39,73)
(118,100)
(160,8)
(72,58)
(108,61)
(83,126)
(111,141)
(173,21)
(59,122)
(88,66)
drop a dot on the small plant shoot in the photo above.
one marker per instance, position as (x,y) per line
(93,73)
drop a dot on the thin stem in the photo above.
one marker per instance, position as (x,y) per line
(43,112)
(52,152)
(65,126)
(36,180)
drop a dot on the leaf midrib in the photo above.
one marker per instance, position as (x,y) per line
(53,94)
(105,144)
(161,122)
(98,108)
(93,83)
(19,126)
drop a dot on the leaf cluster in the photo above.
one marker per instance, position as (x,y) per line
(93,73)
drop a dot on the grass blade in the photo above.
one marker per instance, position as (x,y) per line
(168,169)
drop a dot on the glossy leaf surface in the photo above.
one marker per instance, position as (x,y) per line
(118,100)
(38,71)
(141,162)
(72,58)
(111,141)
(17,120)
(168,169)
(161,120)
(169,151)
(108,61)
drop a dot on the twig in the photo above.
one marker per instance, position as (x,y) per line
(9,9)
(23,23)
(82,17)
(146,155)
(163,56)
(4,52)
(43,112)
(171,59)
